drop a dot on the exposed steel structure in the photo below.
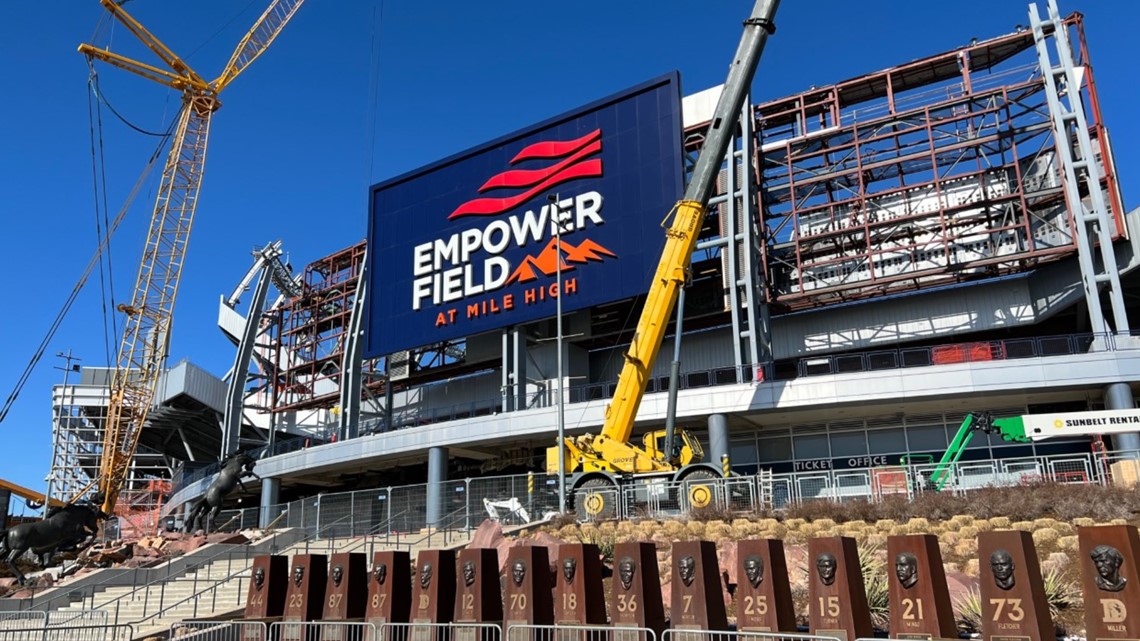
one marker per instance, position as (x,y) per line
(941,170)
(312,331)
(146,337)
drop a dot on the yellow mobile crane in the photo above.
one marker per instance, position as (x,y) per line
(599,464)
(146,335)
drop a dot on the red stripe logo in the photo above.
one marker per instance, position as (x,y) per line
(571,161)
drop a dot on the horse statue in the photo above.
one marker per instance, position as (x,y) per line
(206,508)
(72,526)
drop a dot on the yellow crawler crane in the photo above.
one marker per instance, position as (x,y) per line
(146,335)
(599,465)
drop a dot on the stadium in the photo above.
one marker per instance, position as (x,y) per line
(883,256)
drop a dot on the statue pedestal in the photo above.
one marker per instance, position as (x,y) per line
(696,602)
(1014,607)
(919,598)
(527,590)
(636,590)
(478,598)
(433,593)
(304,599)
(389,589)
(837,598)
(346,593)
(763,594)
(1110,581)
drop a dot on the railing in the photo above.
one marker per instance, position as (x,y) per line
(245,554)
(69,633)
(348,514)
(866,361)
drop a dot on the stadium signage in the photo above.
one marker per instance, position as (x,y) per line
(473,243)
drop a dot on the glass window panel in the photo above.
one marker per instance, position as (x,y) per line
(886,441)
(926,437)
(849,443)
(811,446)
(775,449)
(742,452)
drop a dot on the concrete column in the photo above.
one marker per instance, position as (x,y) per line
(1118,396)
(437,474)
(270,496)
(718,438)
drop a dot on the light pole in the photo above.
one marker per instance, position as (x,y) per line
(555,211)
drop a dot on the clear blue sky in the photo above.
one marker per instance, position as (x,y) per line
(300,136)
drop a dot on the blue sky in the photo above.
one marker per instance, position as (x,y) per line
(354,92)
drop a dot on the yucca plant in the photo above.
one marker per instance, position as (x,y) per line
(874,571)
(969,609)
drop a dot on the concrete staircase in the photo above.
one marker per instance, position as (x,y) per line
(216,589)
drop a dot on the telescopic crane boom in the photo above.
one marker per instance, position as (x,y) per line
(610,452)
(146,335)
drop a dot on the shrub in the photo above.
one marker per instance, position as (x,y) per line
(874,571)
(969,609)
(1062,593)
(1047,535)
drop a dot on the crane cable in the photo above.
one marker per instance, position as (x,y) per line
(99,185)
(151,162)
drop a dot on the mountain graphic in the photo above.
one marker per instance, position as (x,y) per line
(546,261)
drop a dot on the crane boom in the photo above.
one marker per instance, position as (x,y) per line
(681,236)
(146,336)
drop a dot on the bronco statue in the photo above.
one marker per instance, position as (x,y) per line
(206,508)
(69,527)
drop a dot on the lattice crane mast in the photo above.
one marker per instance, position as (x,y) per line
(146,336)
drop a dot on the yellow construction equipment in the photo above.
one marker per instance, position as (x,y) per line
(599,464)
(146,336)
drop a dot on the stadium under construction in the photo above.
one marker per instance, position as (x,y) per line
(882,255)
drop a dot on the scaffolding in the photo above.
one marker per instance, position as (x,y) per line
(79,411)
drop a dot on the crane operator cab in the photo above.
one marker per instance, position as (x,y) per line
(686,449)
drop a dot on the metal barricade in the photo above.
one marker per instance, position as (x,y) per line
(123,632)
(852,485)
(740,494)
(417,631)
(321,631)
(57,618)
(1075,471)
(813,487)
(526,632)
(676,634)
(23,620)
(219,631)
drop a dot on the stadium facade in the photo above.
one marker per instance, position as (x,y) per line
(883,255)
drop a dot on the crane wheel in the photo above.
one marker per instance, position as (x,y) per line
(596,500)
(700,495)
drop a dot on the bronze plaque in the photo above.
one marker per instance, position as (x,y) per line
(265,597)
(636,589)
(433,587)
(346,593)
(837,598)
(478,597)
(389,588)
(919,599)
(1111,581)
(304,599)
(763,595)
(697,601)
(527,589)
(579,598)
(1013,594)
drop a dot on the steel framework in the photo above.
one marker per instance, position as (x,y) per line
(938,171)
